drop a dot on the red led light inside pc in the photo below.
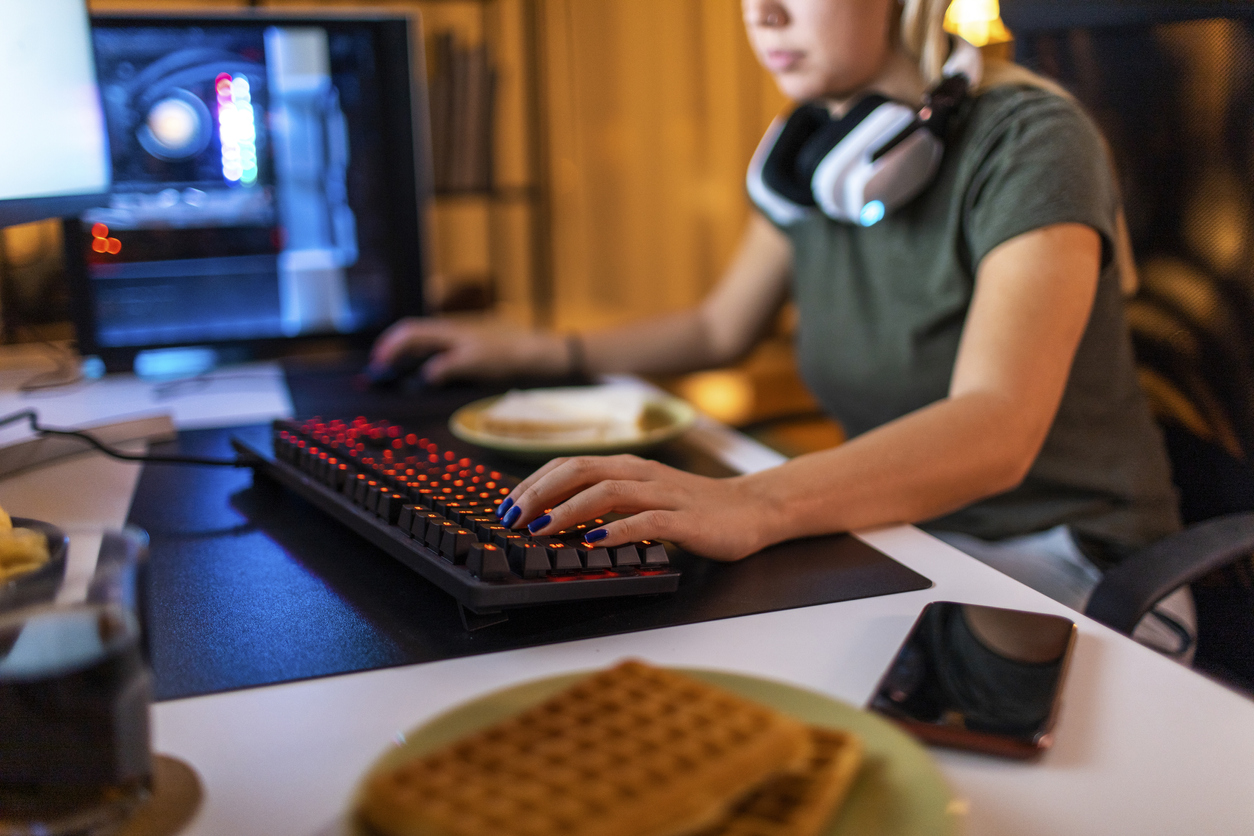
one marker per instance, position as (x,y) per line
(102,243)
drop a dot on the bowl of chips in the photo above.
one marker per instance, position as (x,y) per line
(32,560)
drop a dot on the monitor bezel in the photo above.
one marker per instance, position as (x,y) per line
(24,210)
(398,37)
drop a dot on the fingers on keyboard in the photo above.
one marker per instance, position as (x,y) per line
(452,506)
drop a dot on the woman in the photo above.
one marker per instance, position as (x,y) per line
(972,342)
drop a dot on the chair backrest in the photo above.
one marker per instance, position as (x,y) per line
(1175,99)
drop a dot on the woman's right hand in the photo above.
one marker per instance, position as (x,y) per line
(459,349)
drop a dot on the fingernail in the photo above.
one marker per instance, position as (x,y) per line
(511,517)
(504,506)
(596,534)
(539,523)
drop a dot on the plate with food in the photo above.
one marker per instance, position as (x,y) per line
(573,420)
(638,750)
(32,560)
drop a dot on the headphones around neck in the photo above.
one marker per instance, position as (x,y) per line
(861,166)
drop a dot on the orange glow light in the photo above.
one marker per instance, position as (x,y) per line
(100,245)
(99,231)
(114,245)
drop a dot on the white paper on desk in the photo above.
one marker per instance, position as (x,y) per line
(245,394)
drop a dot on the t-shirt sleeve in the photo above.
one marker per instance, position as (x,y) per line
(1044,164)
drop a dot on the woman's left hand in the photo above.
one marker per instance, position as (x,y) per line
(715,518)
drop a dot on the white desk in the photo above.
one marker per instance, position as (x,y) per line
(1142,746)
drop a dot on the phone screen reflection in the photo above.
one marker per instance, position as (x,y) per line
(982,671)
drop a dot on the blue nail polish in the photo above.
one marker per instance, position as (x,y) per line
(596,534)
(539,523)
(505,506)
(512,517)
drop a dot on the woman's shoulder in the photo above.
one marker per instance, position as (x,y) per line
(1017,120)
(1014,99)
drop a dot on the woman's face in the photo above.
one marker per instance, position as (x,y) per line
(821,49)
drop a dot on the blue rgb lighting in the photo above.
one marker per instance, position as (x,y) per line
(872,213)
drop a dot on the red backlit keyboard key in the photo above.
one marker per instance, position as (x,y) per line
(594,559)
(455,544)
(625,557)
(562,557)
(531,560)
(654,553)
(487,562)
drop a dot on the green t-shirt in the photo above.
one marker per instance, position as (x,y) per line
(882,311)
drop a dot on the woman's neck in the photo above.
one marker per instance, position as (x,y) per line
(899,79)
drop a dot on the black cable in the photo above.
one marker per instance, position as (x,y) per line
(66,372)
(31,416)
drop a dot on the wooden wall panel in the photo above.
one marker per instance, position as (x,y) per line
(654,109)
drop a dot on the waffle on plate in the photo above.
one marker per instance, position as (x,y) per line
(630,751)
(799,803)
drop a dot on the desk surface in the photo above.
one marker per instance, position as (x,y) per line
(1143,745)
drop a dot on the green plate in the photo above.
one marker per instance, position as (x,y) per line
(665,418)
(899,790)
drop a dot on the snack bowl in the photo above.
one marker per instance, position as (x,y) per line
(665,418)
(40,585)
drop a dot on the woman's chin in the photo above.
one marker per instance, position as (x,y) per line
(800,88)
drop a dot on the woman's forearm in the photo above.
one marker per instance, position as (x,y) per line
(932,461)
(668,344)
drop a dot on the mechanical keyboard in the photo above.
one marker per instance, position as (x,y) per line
(435,511)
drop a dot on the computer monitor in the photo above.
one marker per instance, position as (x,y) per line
(268,176)
(53,157)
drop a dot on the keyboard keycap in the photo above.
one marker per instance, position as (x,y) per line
(531,560)
(654,554)
(487,562)
(594,559)
(455,544)
(422,519)
(435,532)
(499,533)
(562,556)
(405,521)
(625,557)
(349,488)
(390,505)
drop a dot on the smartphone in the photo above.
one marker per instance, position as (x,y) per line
(979,678)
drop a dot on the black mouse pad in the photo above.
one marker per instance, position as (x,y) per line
(250,585)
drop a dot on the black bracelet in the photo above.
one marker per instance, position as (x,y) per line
(574,349)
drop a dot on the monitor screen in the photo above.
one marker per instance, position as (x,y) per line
(265,183)
(53,157)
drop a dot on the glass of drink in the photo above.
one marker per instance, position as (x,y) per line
(75,689)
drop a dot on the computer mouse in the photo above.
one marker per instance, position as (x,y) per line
(390,376)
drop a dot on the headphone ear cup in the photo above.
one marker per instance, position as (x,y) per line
(837,178)
(773,181)
(780,170)
(894,179)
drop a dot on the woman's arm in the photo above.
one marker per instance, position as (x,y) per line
(1031,305)
(725,326)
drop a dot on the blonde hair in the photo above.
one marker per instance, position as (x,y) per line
(923,35)
(924,38)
